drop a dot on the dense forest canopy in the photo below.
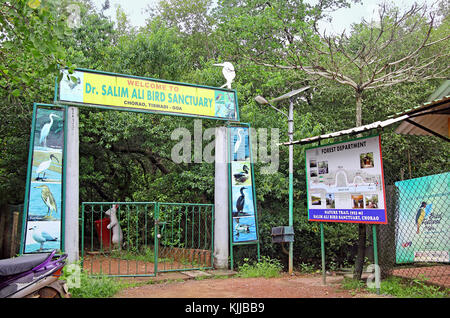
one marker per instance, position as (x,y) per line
(370,72)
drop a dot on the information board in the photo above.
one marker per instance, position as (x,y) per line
(345,182)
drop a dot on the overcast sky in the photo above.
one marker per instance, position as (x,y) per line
(342,18)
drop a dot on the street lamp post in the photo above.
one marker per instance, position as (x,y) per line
(290,116)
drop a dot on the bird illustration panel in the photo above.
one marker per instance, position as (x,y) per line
(243,208)
(423,219)
(244,229)
(241,174)
(243,204)
(45,201)
(43,236)
(240,145)
(45,191)
(47,166)
(225,105)
(49,129)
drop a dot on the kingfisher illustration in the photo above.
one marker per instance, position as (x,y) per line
(422,213)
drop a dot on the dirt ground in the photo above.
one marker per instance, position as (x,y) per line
(296,286)
(437,275)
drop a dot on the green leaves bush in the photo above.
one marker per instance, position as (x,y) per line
(266,268)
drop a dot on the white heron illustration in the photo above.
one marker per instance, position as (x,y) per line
(228,72)
(41,237)
(239,141)
(44,166)
(46,129)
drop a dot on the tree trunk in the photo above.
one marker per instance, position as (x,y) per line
(358,95)
(361,251)
(362,227)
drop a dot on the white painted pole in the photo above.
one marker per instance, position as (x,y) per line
(221,229)
(71,239)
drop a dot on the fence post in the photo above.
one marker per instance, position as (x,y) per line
(2,231)
(15,223)
(322,248)
(375,258)
(156,231)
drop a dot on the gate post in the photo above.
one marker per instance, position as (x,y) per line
(71,217)
(221,214)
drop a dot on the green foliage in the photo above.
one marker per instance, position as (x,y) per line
(306,268)
(100,286)
(266,268)
(30,52)
(31,45)
(398,287)
(126,156)
(145,254)
(416,288)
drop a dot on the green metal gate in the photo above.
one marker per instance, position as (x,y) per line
(153,237)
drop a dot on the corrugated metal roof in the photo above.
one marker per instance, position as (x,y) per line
(351,131)
(428,119)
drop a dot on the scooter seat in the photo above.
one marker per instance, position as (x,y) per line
(20,264)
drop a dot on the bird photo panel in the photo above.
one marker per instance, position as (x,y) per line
(244,229)
(44,204)
(225,105)
(241,173)
(49,129)
(241,187)
(240,145)
(243,204)
(423,218)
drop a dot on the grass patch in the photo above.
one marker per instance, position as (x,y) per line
(416,288)
(398,287)
(307,268)
(100,286)
(145,255)
(267,268)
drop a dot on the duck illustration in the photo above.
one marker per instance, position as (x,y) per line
(241,227)
(241,177)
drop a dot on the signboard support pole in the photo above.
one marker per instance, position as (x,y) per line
(375,258)
(221,238)
(322,248)
(71,217)
(291,180)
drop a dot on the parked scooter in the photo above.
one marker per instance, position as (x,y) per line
(33,276)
